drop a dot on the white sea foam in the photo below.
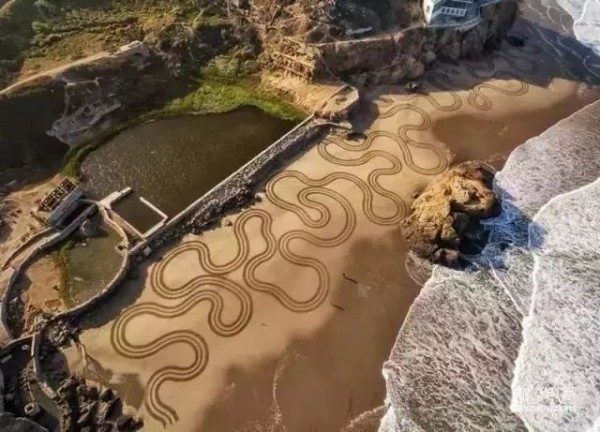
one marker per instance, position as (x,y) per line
(450,368)
(452,364)
(586,17)
(557,376)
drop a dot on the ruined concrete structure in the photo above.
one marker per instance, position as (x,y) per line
(59,203)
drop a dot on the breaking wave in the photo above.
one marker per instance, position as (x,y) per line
(586,21)
(452,365)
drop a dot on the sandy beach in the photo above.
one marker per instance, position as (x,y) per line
(281,318)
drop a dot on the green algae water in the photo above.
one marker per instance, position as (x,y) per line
(172,162)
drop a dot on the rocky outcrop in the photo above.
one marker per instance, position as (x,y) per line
(364,41)
(445,219)
(68,104)
(10,423)
(80,98)
(82,406)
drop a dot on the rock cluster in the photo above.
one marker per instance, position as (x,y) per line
(445,220)
(10,423)
(85,408)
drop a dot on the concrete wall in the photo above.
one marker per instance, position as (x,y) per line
(48,243)
(219,198)
(112,285)
(31,240)
(38,374)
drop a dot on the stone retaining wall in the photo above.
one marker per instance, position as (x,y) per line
(111,286)
(31,240)
(38,374)
(51,241)
(404,55)
(237,189)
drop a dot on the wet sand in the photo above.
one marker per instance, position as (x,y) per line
(468,135)
(281,318)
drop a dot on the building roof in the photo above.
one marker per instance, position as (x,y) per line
(57,196)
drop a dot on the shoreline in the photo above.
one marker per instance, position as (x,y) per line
(503,278)
(278,359)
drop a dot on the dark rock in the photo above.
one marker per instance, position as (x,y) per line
(414,87)
(515,41)
(93,393)
(84,419)
(105,427)
(106,395)
(444,222)
(82,390)
(125,423)
(109,408)
(356,135)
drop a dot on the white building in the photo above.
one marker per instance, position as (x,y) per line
(453,13)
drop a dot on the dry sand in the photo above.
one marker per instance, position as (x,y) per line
(281,318)
(15,213)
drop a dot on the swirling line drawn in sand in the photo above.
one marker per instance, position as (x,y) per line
(308,205)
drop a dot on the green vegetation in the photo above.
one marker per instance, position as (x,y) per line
(219,97)
(225,86)
(38,34)
(212,96)
(62,259)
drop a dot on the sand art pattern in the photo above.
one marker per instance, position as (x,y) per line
(308,207)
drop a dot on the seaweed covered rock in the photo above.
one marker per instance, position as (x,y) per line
(445,219)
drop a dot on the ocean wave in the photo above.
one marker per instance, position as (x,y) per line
(452,364)
(557,375)
(586,25)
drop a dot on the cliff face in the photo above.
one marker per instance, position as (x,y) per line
(39,115)
(406,54)
(64,105)
(376,42)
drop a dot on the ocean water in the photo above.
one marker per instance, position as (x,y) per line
(556,386)
(586,20)
(453,365)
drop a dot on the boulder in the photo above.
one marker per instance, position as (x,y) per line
(106,395)
(444,221)
(125,423)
